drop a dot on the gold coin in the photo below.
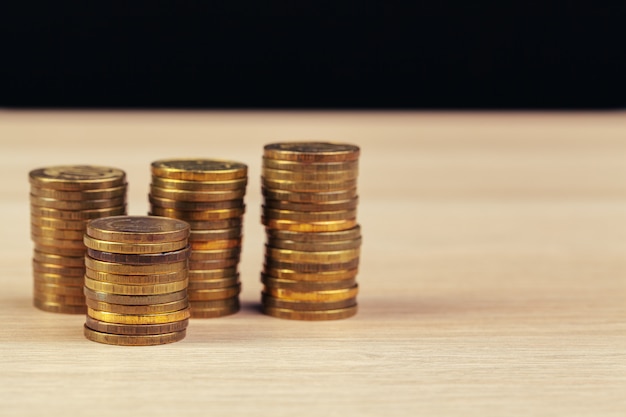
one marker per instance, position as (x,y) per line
(65,271)
(59,308)
(97,194)
(214,294)
(305,286)
(310,167)
(213,284)
(350,204)
(77,177)
(312,152)
(209,304)
(214,235)
(213,312)
(148,289)
(123,269)
(138,229)
(309,197)
(118,318)
(141,310)
(46,278)
(290,274)
(37,221)
(134,248)
(71,300)
(61,251)
(320,237)
(54,289)
(199,215)
(284,175)
(135,329)
(52,233)
(327,295)
(214,254)
(216,264)
(58,243)
(136,279)
(199,169)
(66,261)
(200,275)
(314,247)
(216,244)
(76,214)
(329,226)
(194,205)
(199,196)
(134,340)
(285,313)
(311,267)
(208,225)
(309,186)
(76,205)
(287,255)
(141,259)
(269,301)
(135,299)
(200,185)
(308,216)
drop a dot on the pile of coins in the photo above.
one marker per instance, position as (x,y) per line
(62,200)
(136,280)
(208,194)
(313,239)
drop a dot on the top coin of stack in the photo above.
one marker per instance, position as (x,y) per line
(208,194)
(62,200)
(313,239)
(136,280)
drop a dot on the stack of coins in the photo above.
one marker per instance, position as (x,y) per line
(208,194)
(136,280)
(62,200)
(313,239)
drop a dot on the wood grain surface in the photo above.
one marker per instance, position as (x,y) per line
(492,280)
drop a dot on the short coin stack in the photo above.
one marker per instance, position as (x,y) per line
(62,200)
(313,239)
(208,194)
(136,280)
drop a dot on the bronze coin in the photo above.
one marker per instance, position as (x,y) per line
(206,313)
(214,255)
(135,299)
(194,205)
(137,309)
(209,265)
(138,229)
(309,197)
(213,284)
(314,247)
(311,267)
(214,294)
(76,177)
(350,204)
(307,285)
(134,340)
(285,313)
(216,224)
(135,329)
(58,269)
(311,152)
(53,307)
(306,237)
(212,235)
(200,275)
(136,279)
(270,301)
(141,259)
(73,300)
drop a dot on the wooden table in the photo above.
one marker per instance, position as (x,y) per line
(493,272)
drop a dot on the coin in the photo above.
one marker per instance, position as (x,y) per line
(53,233)
(76,204)
(306,285)
(350,204)
(58,269)
(285,175)
(199,169)
(74,290)
(310,167)
(135,329)
(123,269)
(287,255)
(138,229)
(209,304)
(314,247)
(53,307)
(307,216)
(148,289)
(137,249)
(329,226)
(194,205)
(200,275)
(312,267)
(58,243)
(311,152)
(213,312)
(214,235)
(308,186)
(215,294)
(76,215)
(214,255)
(200,185)
(46,278)
(134,340)
(270,301)
(327,295)
(141,259)
(37,221)
(207,225)
(97,194)
(135,299)
(70,252)
(73,300)
(213,284)
(217,264)
(76,177)
(138,318)
(137,309)
(285,313)
(199,215)
(309,197)
(221,244)
(200,196)
(306,237)
(136,279)
(290,274)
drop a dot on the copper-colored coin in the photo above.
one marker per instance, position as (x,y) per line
(311,267)
(213,284)
(270,301)
(304,286)
(286,175)
(221,244)
(62,251)
(148,289)
(135,299)
(53,233)
(218,264)
(77,177)
(214,235)
(328,257)
(135,329)
(310,167)
(97,194)
(58,289)
(138,229)
(309,197)
(124,269)
(46,278)
(309,186)
(194,205)
(141,259)
(137,309)
(59,308)
(138,249)
(214,255)
(314,247)
(350,204)
(310,276)
(208,225)
(72,300)
(200,185)
(38,221)
(199,215)
(68,261)
(199,169)
(138,318)
(134,340)
(197,311)
(312,152)
(76,205)
(208,304)
(200,275)
(319,237)
(200,196)
(215,294)
(76,214)
(311,296)
(58,243)
(65,271)
(307,216)
(330,226)
(285,313)
(136,279)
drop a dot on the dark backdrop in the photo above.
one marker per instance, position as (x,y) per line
(293,54)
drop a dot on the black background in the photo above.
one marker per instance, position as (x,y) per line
(313,55)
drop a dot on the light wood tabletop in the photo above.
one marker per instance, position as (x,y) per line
(492,277)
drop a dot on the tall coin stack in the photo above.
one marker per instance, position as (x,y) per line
(136,280)
(208,194)
(62,200)
(313,239)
